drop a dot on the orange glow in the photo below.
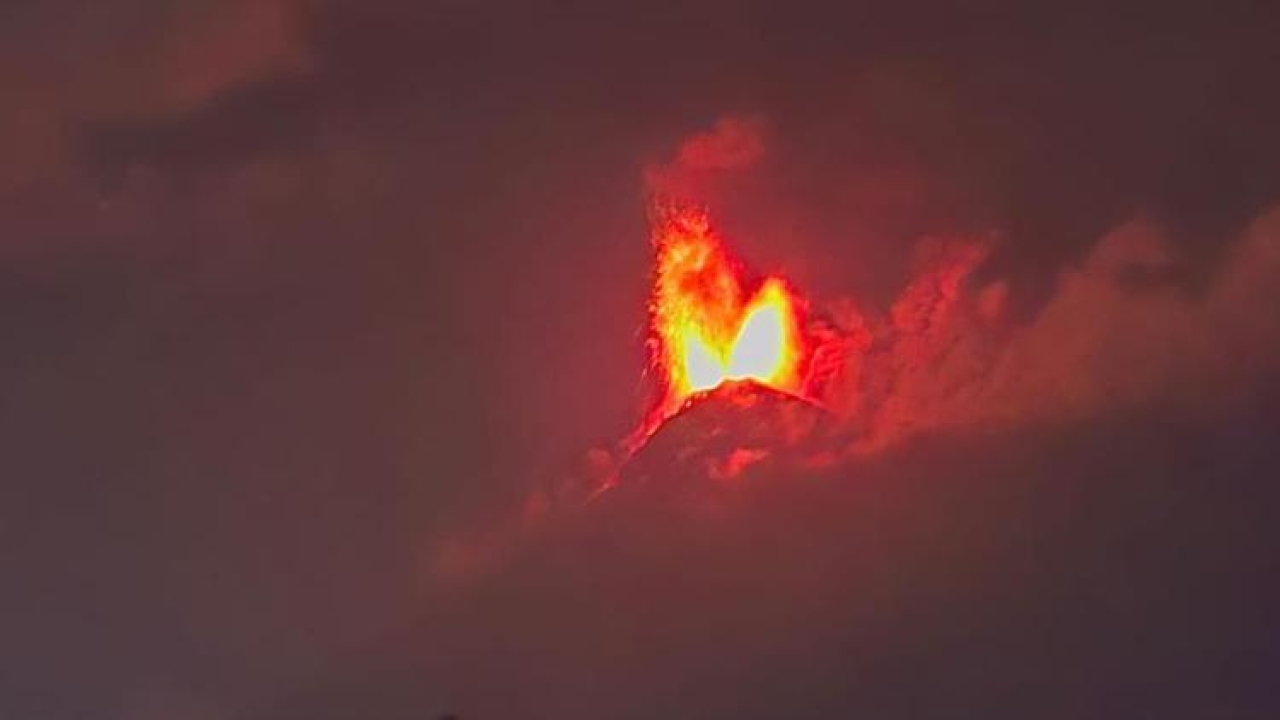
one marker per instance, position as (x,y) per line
(710,323)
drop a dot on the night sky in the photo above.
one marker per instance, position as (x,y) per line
(305,300)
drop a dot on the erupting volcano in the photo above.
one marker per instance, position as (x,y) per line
(711,322)
(734,350)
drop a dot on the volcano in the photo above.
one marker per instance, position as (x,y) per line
(739,431)
(739,362)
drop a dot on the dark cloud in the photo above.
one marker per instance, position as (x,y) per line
(69,64)
(254,122)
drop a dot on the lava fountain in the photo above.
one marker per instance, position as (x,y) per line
(711,322)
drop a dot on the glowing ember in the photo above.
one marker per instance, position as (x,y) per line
(710,322)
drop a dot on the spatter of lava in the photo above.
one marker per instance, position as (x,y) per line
(712,322)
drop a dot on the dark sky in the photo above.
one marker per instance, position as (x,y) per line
(292,290)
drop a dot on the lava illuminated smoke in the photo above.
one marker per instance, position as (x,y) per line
(711,322)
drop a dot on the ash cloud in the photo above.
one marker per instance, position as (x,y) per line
(734,144)
(1116,334)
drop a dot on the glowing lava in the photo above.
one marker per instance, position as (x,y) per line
(710,322)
